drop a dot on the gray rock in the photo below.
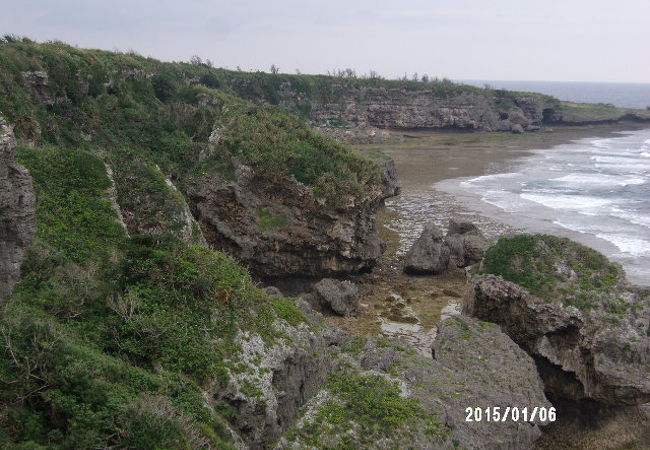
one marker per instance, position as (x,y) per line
(17,212)
(279,228)
(477,366)
(273,291)
(595,354)
(516,129)
(432,254)
(466,243)
(493,371)
(341,297)
(389,178)
(429,254)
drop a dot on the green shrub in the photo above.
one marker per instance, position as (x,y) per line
(553,268)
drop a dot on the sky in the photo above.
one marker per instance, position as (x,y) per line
(552,40)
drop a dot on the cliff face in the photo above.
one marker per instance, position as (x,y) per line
(277,227)
(359,111)
(17,212)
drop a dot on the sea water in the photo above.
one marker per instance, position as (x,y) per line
(596,191)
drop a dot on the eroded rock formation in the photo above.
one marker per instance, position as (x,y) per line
(17,212)
(341,297)
(601,353)
(434,254)
(278,227)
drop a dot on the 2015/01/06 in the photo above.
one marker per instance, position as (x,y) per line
(513,413)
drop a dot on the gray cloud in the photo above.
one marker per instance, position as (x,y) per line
(593,40)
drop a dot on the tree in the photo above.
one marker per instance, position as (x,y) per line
(196,60)
(275,69)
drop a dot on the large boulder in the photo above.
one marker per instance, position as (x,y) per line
(429,254)
(340,297)
(434,254)
(588,330)
(466,243)
(17,212)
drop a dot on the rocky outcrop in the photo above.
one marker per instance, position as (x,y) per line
(434,254)
(466,243)
(476,365)
(389,177)
(340,297)
(600,353)
(493,371)
(429,254)
(277,380)
(17,212)
(278,227)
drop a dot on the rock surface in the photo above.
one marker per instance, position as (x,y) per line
(17,212)
(278,227)
(341,297)
(466,243)
(429,254)
(434,254)
(601,353)
(477,365)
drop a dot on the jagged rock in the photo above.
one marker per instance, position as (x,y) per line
(17,212)
(39,81)
(429,254)
(601,353)
(278,227)
(278,380)
(466,243)
(432,254)
(477,366)
(494,371)
(389,178)
(341,297)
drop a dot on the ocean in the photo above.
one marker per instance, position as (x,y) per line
(594,190)
(625,95)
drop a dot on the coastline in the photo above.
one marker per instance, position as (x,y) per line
(422,163)
(432,167)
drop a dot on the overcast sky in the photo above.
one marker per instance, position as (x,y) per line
(556,40)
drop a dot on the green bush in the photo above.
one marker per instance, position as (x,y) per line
(553,268)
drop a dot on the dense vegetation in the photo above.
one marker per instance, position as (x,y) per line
(109,340)
(553,268)
(140,112)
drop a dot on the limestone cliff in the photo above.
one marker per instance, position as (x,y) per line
(17,211)
(278,227)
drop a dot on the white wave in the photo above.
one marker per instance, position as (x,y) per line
(490,177)
(572,202)
(627,244)
(601,143)
(635,218)
(572,227)
(598,179)
(645,154)
(502,199)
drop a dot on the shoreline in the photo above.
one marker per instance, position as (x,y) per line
(432,167)
(422,163)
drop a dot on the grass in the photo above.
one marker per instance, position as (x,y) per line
(553,268)
(109,340)
(364,409)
